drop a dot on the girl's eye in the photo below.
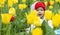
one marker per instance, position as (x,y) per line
(41,10)
(37,10)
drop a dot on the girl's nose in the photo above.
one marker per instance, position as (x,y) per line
(39,12)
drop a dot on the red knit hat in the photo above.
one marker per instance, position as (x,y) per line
(40,4)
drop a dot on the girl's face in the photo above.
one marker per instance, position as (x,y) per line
(40,12)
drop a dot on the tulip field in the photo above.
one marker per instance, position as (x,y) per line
(16,16)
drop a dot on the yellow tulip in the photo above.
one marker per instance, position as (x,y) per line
(23,1)
(50,7)
(58,18)
(24,6)
(37,31)
(59,12)
(55,20)
(6,18)
(2,6)
(2,1)
(10,3)
(29,19)
(12,11)
(57,0)
(15,1)
(33,13)
(20,6)
(51,2)
(31,16)
(37,21)
(48,14)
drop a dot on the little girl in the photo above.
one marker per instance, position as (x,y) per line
(40,7)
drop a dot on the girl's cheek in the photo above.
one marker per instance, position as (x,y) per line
(43,12)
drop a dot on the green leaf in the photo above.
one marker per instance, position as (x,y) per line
(47,30)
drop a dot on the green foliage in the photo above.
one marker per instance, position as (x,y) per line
(47,30)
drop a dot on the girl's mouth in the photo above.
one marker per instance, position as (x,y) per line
(39,14)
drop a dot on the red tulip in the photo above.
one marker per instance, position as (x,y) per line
(12,19)
(48,3)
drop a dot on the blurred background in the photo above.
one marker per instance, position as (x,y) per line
(16,23)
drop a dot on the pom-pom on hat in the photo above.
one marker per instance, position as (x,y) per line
(40,4)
